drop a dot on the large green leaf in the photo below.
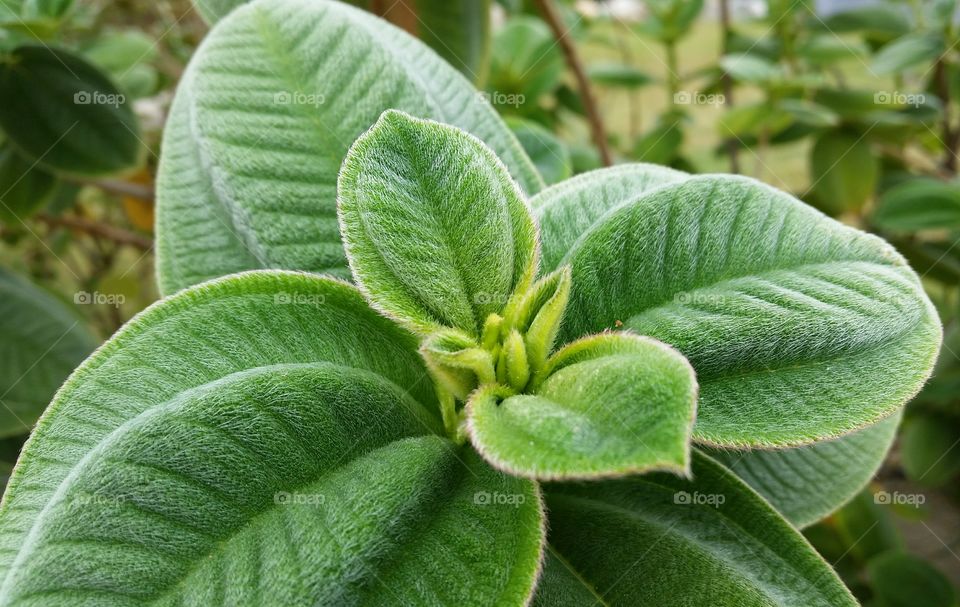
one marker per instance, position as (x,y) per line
(806,484)
(613,404)
(41,342)
(436,232)
(660,540)
(64,113)
(262,120)
(458,30)
(799,328)
(288,484)
(198,337)
(569,209)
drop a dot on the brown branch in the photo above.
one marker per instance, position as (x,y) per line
(951,136)
(561,32)
(122,188)
(97,230)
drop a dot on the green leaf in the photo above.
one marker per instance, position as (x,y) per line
(919,204)
(661,540)
(670,20)
(436,231)
(458,30)
(827,49)
(301,484)
(810,113)
(567,210)
(64,113)
(661,144)
(526,63)
(751,68)
(930,449)
(805,484)
(126,55)
(799,328)
(24,186)
(191,341)
(618,75)
(903,580)
(612,405)
(844,171)
(881,21)
(262,120)
(549,154)
(753,119)
(41,342)
(907,52)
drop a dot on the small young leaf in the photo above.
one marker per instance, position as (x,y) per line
(64,113)
(538,316)
(658,539)
(457,362)
(613,404)
(436,231)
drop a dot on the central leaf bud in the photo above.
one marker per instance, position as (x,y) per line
(512,352)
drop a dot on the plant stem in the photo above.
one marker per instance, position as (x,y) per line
(561,33)
(727,82)
(97,230)
(122,188)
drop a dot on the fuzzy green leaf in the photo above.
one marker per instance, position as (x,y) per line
(436,232)
(262,120)
(291,484)
(660,540)
(805,484)
(41,342)
(613,404)
(190,341)
(799,328)
(567,210)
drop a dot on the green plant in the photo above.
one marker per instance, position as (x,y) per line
(283,437)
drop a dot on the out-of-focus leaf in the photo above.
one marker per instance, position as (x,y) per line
(919,204)
(930,449)
(826,49)
(41,341)
(549,154)
(670,20)
(903,580)
(907,52)
(844,171)
(810,113)
(662,144)
(24,186)
(126,56)
(877,20)
(751,68)
(618,75)
(64,113)
(754,119)
(526,62)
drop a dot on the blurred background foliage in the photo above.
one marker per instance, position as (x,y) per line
(853,106)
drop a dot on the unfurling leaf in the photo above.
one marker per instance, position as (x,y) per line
(436,231)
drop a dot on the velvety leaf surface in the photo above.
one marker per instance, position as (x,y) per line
(657,540)
(65,114)
(195,338)
(567,210)
(289,484)
(805,484)
(799,328)
(436,232)
(41,342)
(613,404)
(262,120)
